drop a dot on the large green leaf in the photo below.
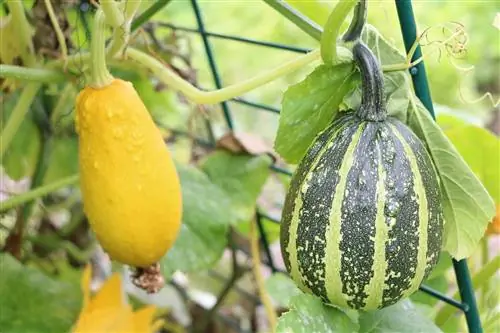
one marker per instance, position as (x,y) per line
(63,160)
(282,289)
(33,302)
(308,314)
(467,206)
(21,157)
(309,106)
(241,177)
(479,148)
(401,317)
(207,215)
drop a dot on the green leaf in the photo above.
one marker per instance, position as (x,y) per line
(63,159)
(480,149)
(467,206)
(207,214)
(309,106)
(33,302)
(308,314)
(21,157)
(385,51)
(282,289)
(164,106)
(400,317)
(241,177)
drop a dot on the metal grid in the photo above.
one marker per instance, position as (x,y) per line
(408,27)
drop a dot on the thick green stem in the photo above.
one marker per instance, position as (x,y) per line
(37,193)
(32,74)
(148,13)
(175,82)
(114,16)
(16,9)
(332,28)
(17,116)
(100,76)
(304,23)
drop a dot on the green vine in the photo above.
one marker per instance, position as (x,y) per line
(332,28)
(37,193)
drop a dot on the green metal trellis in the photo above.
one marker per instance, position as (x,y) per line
(408,28)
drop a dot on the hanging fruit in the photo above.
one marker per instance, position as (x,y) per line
(130,187)
(362,222)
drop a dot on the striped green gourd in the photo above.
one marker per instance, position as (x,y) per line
(362,222)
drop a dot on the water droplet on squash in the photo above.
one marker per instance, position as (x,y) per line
(110,114)
(96,165)
(139,187)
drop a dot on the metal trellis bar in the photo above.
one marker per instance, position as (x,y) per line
(421,86)
(237,38)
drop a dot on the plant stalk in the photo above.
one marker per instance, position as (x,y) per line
(37,193)
(41,75)
(174,81)
(332,28)
(114,16)
(17,116)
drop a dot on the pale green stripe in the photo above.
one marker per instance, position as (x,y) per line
(423,215)
(333,235)
(375,289)
(294,224)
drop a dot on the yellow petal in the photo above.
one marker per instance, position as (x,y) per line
(110,295)
(143,319)
(105,320)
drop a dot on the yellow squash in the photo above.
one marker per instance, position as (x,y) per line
(130,187)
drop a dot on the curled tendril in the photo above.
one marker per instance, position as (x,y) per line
(452,41)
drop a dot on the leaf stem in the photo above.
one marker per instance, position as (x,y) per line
(17,116)
(37,193)
(174,81)
(32,74)
(114,16)
(57,28)
(303,22)
(331,32)
(148,13)
(264,296)
(100,76)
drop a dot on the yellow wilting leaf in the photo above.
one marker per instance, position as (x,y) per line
(109,312)
(494,226)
